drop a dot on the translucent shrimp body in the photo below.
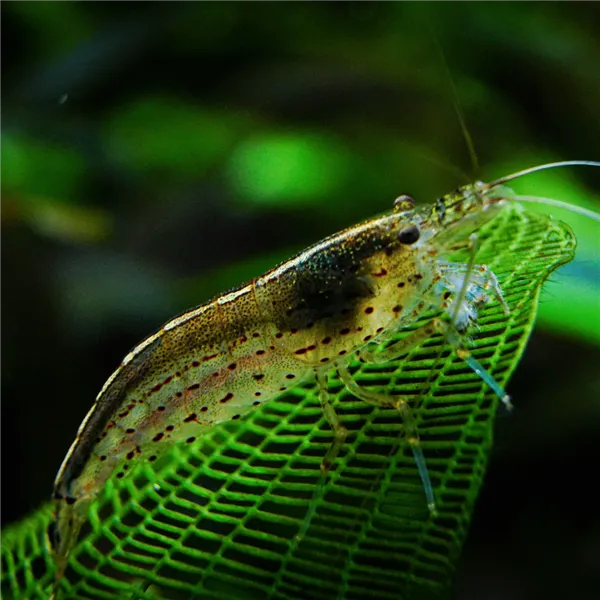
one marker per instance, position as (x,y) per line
(303,318)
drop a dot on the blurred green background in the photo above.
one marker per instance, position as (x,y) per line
(155,154)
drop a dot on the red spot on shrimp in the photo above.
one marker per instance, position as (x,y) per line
(381,273)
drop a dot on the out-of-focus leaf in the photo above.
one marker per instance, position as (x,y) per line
(169,135)
(34,168)
(216,519)
(295,168)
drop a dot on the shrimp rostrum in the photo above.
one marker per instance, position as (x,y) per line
(334,302)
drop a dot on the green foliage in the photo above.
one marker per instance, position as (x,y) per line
(217,519)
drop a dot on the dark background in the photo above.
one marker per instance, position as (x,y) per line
(156,154)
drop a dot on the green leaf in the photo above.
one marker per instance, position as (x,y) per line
(217,519)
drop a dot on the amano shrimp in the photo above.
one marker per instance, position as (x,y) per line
(313,313)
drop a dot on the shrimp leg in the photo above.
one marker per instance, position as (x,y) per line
(339,433)
(412,435)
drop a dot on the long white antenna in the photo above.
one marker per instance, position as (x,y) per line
(586,212)
(563,163)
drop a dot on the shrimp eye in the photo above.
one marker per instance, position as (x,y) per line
(404,202)
(409,235)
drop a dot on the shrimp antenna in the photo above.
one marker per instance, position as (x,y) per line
(563,163)
(456,103)
(579,210)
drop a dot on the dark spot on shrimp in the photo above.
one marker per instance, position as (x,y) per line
(226,398)
(193,387)
(324,360)
(260,352)
(344,331)
(130,455)
(256,403)
(381,273)
(235,417)
(196,363)
(161,408)
(369,310)
(190,440)
(397,308)
(130,430)
(418,276)
(204,409)
(103,457)
(258,394)
(279,335)
(169,427)
(258,376)
(290,376)
(379,330)
(342,352)
(232,366)
(447,294)
(326,340)
(367,338)
(293,331)
(282,389)
(120,475)
(255,334)
(159,436)
(190,418)
(152,458)
(401,284)
(300,351)
(178,394)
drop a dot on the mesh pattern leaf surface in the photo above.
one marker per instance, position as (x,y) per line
(217,519)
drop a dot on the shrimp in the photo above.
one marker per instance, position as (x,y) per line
(314,313)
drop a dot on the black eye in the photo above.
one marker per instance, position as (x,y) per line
(404,202)
(409,235)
